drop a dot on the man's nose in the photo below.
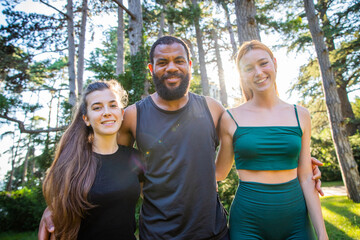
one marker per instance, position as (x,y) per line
(171,67)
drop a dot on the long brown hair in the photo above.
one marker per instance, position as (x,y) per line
(72,173)
(244,49)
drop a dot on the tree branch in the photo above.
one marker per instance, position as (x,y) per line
(50,6)
(30,131)
(126,10)
(353,90)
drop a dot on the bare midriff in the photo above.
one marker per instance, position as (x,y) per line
(268,176)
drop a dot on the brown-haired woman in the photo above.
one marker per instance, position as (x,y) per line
(93,184)
(270,140)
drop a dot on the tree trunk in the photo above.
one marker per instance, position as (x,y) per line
(120,42)
(135,40)
(195,63)
(171,28)
(348,166)
(201,52)
(81,57)
(230,29)
(13,157)
(162,21)
(71,50)
(223,93)
(9,183)
(347,110)
(26,164)
(339,74)
(135,27)
(245,18)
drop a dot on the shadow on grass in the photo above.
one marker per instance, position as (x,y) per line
(335,233)
(337,205)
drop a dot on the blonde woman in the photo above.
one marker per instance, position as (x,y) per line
(270,140)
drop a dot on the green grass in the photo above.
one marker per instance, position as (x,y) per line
(18,236)
(342,217)
(332,184)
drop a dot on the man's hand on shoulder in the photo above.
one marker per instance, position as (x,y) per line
(46,227)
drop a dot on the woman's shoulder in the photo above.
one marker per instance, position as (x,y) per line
(135,158)
(303,112)
(130,150)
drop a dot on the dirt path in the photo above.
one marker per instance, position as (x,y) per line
(334,191)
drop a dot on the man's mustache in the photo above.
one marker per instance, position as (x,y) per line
(170,75)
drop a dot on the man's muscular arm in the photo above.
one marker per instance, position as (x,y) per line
(216,110)
(127,131)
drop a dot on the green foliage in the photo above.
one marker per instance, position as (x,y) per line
(102,61)
(355,145)
(19,235)
(14,66)
(45,159)
(195,84)
(139,75)
(35,31)
(21,210)
(227,188)
(323,149)
(103,64)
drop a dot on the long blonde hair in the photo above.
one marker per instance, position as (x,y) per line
(72,173)
(244,49)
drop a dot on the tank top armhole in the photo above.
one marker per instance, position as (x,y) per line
(297,117)
(232,117)
(137,119)
(207,110)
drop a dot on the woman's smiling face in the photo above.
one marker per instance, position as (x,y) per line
(257,70)
(104,112)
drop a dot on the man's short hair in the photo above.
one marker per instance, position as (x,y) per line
(168,40)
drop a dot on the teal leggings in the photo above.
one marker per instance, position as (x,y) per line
(270,211)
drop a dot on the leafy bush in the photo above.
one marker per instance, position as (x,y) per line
(21,210)
(227,188)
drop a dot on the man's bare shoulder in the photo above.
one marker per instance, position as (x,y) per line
(130,113)
(214,104)
(127,130)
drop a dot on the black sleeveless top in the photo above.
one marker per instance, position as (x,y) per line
(115,192)
(180,199)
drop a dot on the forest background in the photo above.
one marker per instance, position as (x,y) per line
(50,49)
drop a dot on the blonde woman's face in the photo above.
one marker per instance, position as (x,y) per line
(104,112)
(258,70)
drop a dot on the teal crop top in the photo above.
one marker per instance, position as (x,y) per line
(267,147)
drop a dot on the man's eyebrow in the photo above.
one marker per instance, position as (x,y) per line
(161,59)
(180,57)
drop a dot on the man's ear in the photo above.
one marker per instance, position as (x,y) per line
(150,66)
(190,63)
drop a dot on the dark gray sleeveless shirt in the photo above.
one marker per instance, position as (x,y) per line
(180,199)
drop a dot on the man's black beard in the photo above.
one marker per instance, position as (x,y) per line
(172,94)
